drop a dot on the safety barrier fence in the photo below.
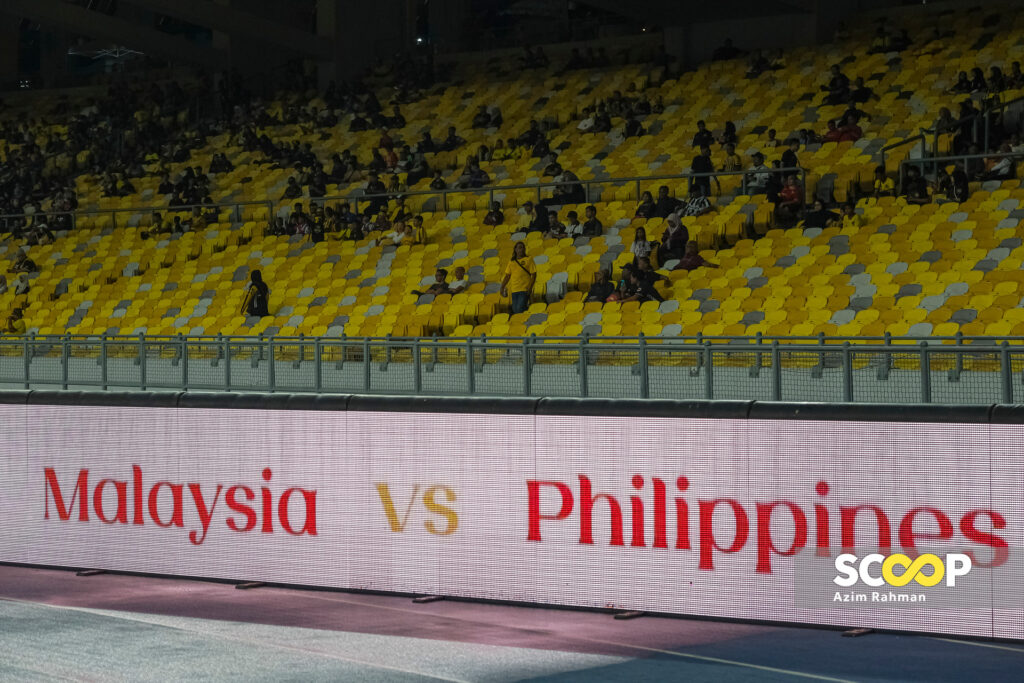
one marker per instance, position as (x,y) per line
(958,370)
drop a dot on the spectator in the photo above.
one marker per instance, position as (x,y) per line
(16,322)
(732,159)
(452,141)
(22,263)
(996,80)
(915,189)
(772,142)
(883,186)
(702,165)
(978,83)
(438,286)
(646,208)
(880,43)
(962,85)
(520,276)
(21,284)
(789,158)
(555,227)
(646,272)
(729,136)
(954,186)
(587,121)
(377,192)
(572,193)
(838,87)
(639,289)
(692,260)
(665,205)
(592,227)
(833,134)
(166,186)
(292,190)
(460,283)
(482,119)
(641,247)
(673,240)
(703,137)
(573,227)
(861,94)
(850,131)
(256,301)
(851,219)
(1002,168)
(698,204)
(438,182)
(1016,78)
(632,128)
(791,199)
(819,216)
(538,218)
(601,289)
(758,176)
(495,216)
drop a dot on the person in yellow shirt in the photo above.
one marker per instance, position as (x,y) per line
(520,275)
(851,219)
(883,186)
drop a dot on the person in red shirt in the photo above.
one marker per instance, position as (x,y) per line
(850,131)
(691,259)
(833,134)
(791,199)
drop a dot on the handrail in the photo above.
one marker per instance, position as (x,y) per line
(139,209)
(356,197)
(936,161)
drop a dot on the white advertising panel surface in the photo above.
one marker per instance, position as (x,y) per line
(746,519)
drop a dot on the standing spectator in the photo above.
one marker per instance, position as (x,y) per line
(701,164)
(520,276)
(592,227)
(257,296)
(703,136)
(789,158)
(838,87)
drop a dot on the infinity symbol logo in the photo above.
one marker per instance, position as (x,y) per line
(912,570)
(852,569)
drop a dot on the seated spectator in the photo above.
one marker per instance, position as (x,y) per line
(555,227)
(639,289)
(851,219)
(16,322)
(978,83)
(520,276)
(673,240)
(850,131)
(220,164)
(758,176)
(819,217)
(21,284)
(592,227)
(452,141)
(691,260)
(460,283)
(602,120)
(438,182)
(645,271)
(1001,168)
(703,136)
(377,191)
(438,286)
(665,205)
(838,88)
(772,142)
(22,263)
(880,43)
(573,228)
(166,186)
(292,190)
(698,204)
(481,119)
(396,120)
(632,128)
(646,208)
(962,85)
(732,159)
(791,199)
(996,80)
(1015,79)
(495,216)
(601,289)
(833,134)
(659,105)
(954,186)
(641,246)
(568,194)
(587,121)
(862,94)
(915,189)
(882,185)
(538,218)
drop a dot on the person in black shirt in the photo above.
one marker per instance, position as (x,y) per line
(592,227)
(789,158)
(646,273)
(702,164)
(539,219)
(638,289)
(601,289)
(665,205)
(703,137)
(819,216)
(166,186)
(861,93)
(915,189)
(726,51)
(646,208)
(633,129)
(375,187)
(838,87)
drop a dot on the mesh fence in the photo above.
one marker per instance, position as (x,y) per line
(674,373)
(342,368)
(811,375)
(966,377)
(124,363)
(46,363)
(12,361)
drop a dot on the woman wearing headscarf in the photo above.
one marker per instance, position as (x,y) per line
(257,296)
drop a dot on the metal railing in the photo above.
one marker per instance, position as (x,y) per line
(355,198)
(23,218)
(864,369)
(930,165)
